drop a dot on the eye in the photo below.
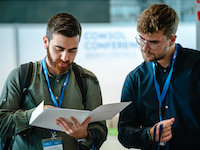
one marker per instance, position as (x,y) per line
(73,50)
(59,48)
(154,42)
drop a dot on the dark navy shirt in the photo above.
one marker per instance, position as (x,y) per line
(182,102)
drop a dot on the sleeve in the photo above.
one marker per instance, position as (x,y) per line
(131,132)
(13,119)
(98,129)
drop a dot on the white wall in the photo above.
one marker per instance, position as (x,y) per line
(197,9)
(109,51)
(7,51)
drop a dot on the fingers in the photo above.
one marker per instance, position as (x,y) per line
(172,120)
(74,129)
(48,106)
(165,137)
(87,121)
(167,123)
(74,122)
(66,126)
(166,131)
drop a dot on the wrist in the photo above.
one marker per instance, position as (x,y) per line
(88,136)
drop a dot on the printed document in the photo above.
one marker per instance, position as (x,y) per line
(46,118)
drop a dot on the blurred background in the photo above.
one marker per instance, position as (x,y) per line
(107,48)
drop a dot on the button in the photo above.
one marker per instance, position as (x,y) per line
(164,70)
(56,97)
(57,80)
(4,99)
(166,107)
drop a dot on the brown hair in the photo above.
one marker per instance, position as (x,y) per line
(156,18)
(65,24)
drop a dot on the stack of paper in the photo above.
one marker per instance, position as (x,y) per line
(46,118)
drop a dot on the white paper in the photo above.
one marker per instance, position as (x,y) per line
(47,118)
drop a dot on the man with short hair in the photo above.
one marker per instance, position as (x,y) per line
(164,89)
(53,81)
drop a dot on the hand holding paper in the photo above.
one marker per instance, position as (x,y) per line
(74,129)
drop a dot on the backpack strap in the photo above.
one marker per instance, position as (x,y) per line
(81,80)
(7,142)
(78,71)
(25,75)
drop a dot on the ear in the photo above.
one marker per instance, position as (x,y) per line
(172,40)
(45,42)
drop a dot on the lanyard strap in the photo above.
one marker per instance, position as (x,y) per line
(49,87)
(154,136)
(161,97)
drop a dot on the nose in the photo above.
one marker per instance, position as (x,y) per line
(146,46)
(64,56)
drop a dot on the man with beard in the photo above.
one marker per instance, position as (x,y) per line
(164,89)
(53,81)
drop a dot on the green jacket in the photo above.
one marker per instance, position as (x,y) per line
(15,115)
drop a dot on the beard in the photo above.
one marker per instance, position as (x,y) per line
(55,64)
(151,57)
(148,56)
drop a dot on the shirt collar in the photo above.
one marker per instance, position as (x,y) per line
(58,76)
(161,67)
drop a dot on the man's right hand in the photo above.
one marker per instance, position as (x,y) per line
(166,131)
(48,106)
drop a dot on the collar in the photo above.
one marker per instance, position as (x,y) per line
(58,76)
(157,65)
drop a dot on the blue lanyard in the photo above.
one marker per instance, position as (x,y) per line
(49,87)
(154,136)
(166,85)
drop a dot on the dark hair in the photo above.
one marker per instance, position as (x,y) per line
(64,24)
(156,18)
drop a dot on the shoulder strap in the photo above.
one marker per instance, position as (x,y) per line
(25,75)
(78,71)
(24,80)
(81,80)
(7,143)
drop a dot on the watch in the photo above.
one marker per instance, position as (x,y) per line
(149,135)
